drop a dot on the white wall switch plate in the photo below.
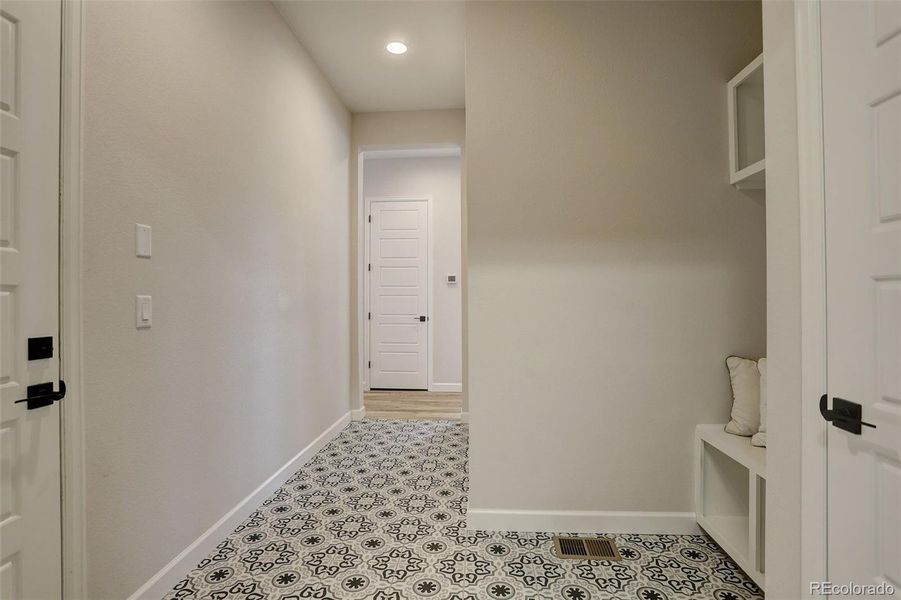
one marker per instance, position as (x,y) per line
(143,312)
(142,240)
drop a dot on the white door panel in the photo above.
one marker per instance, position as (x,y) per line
(398,277)
(392,305)
(398,294)
(30,543)
(861,43)
(400,333)
(398,362)
(394,248)
(398,218)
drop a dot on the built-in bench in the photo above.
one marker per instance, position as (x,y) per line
(730,496)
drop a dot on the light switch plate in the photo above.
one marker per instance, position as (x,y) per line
(143,312)
(142,240)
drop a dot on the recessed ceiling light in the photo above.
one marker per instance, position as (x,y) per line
(396,47)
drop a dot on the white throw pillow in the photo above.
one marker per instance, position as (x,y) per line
(759,438)
(745,396)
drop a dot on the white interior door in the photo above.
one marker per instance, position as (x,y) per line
(861,44)
(399,295)
(30,543)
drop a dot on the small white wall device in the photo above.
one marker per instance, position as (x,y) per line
(143,312)
(142,240)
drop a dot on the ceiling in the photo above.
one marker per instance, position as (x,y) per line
(347,41)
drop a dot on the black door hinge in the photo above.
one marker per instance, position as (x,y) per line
(369,316)
(369,364)
(369,267)
(370,218)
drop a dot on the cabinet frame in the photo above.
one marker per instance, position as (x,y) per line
(751,176)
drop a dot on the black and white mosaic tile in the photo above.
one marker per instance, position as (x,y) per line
(380,514)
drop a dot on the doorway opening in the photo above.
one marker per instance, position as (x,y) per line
(412,321)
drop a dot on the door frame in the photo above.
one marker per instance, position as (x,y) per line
(367,238)
(358,315)
(812,201)
(71,415)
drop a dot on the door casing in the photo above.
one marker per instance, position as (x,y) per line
(812,200)
(360,343)
(367,206)
(72,423)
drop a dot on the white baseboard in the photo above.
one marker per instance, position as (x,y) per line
(464,416)
(158,585)
(358,414)
(446,387)
(582,521)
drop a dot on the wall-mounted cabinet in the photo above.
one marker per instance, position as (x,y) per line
(747,162)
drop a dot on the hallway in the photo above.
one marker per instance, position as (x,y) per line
(379,514)
(368,300)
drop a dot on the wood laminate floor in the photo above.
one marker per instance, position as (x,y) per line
(402,404)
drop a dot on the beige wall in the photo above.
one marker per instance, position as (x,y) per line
(207,121)
(783,526)
(612,267)
(438,178)
(397,129)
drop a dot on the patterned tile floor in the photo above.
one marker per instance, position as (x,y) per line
(379,514)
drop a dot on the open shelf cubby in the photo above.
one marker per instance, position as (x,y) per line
(730,496)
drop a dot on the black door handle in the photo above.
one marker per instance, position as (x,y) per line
(42,394)
(845,415)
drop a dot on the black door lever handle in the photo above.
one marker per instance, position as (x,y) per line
(42,394)
(845,415)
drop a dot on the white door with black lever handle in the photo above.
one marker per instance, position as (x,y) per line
(399,294)
(30,390)
(861,44)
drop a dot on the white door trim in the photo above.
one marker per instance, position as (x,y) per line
(367,208)
(812,200)
(72,427)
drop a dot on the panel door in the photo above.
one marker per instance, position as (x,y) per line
(398,298)
(861,44)
(30,543)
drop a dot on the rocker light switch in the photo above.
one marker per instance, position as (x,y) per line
(142,240)
(143,312)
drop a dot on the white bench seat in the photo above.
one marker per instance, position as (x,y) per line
(730,496)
